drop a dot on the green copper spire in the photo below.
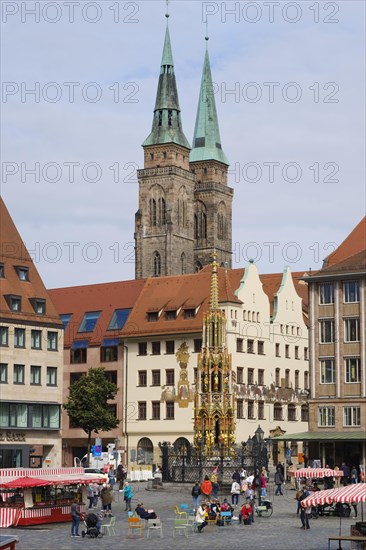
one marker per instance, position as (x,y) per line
(206,139)
(167,126)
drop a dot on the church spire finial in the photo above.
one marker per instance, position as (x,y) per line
(214,295)
(167,14)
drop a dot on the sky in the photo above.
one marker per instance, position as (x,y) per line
(79,82)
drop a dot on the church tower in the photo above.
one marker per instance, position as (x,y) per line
(164,232)
(214,424)
(213,197)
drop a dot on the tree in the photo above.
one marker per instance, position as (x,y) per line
(87,404)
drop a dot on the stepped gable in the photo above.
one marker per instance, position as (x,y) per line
(14,254)
(104,297)
(354,243)
(181,292)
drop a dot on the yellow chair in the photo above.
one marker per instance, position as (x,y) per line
(180,514)
(135,528)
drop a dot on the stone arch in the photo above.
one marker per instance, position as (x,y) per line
(145,451)
(157,205)
(182,206)
(181,442)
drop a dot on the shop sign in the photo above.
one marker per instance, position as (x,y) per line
(12,436)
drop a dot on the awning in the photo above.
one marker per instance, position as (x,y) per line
(319,473)
(350,493)
(80,344)
(24,482)
(109,342)
(322,436)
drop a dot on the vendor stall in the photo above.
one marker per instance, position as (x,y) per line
(42,497)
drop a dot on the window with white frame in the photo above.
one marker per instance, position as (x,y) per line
(35,375)
(326,293)
(352,369)
(351,416)
(352,330)
(327,371)
(4,336)
(326,416)
(36,339)
(326,331)
(351,291)
(51,376)
(52,341)
(19,337)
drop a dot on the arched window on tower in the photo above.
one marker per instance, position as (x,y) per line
(162,211)
(198,266)
(156,264)
(183,263)
(196,235)
(204,226)
(170,117)
(152,212)
(160,118)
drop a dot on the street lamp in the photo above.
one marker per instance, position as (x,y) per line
(259,435)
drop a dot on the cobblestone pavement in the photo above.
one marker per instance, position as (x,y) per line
(281,531)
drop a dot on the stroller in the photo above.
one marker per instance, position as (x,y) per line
(92,530)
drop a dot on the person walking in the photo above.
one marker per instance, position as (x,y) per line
(304,516)
(75,518)
(196,491)
(354,475)
(215,487)
(128,495)
(235,492)
(236,476)
(90,495)
(106,497)
(278,479)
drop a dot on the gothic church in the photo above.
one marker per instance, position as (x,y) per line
(185,204)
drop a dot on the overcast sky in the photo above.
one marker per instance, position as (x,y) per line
(292,127)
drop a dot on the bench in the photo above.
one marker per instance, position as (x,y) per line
(358,540)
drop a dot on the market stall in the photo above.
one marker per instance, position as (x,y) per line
(44,498)
(316,473)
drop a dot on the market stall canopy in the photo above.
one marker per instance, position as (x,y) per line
(316,473)
(24,482)
(350,493)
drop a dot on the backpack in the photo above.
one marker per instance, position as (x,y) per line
(196,491)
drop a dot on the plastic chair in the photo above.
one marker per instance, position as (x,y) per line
(135,527)
(226,518)
(155,525)
(191,522)
(180,514)
(180,526)
(108,528)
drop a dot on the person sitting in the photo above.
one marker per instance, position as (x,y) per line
(201,517)
(246,514)
(226,507)
(144,514)
(214,511)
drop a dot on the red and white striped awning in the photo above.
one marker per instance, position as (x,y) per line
(350,493)
(316,473)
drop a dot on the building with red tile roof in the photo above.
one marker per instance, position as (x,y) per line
(31,340)
(93,317)
(337,315)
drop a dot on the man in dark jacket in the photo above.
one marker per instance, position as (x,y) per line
(278,479)
(196,491)
(236,476)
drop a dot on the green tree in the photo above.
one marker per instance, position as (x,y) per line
(87,404)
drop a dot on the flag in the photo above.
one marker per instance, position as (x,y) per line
(214,472)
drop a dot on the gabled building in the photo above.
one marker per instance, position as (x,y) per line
(31,348)
(267,338)
(337,313)
(93,317)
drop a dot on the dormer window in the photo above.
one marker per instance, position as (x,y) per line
(189,313)
(14,302)
(39,306)
(152,316)
(23,273)
(171,315)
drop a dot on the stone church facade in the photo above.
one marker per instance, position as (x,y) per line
(185,204)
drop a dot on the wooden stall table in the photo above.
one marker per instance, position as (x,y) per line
(8,542)
(357,540)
